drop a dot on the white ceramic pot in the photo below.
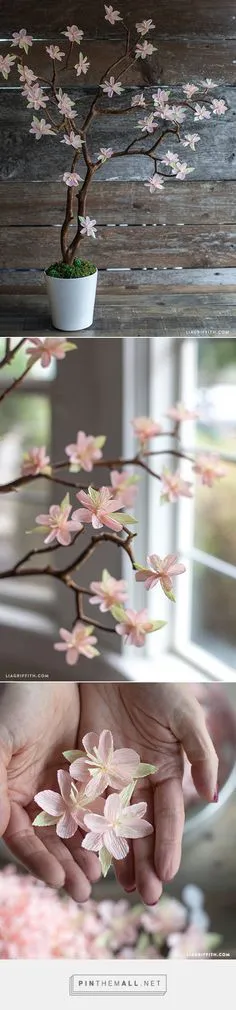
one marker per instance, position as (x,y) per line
(72,301)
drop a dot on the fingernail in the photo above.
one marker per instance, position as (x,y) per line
(216,796)
(130,889)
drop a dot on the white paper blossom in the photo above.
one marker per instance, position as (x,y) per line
(88,227)
(40,128)
(82,66)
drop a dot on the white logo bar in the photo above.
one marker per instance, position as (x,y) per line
(117,983)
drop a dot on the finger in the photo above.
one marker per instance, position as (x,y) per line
(76,883)
(191,730)
(147,882)
(28,848)
(124,870)
(5,757)
(87,861)
(169,822)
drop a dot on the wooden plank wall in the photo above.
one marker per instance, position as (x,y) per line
(190,225)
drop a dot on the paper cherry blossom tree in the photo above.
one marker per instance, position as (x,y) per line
(101,512)
(152,121)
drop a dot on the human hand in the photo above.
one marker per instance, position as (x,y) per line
(160,722)
(37,722)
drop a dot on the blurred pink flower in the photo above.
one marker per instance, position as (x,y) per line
(112,87)
(167,915)
(79,641)
(145,428)
(112,15)
(108,591)
(6,64)
(88,226)
(85,451)
(105,153)
(22,40)
(72,178)
(26,75)
(144,26)
(35,461)
(160,571)
(125,486)
(99,509)
(181,413)
(218,106)
(107,767)
(209,467)
(155,182)
(74,34)
(135,625)
(55,53)
(40,128)
(138,100)
(187,944)
(59,525)
(82,66)
(65,105)
(144,49)
(65,809)
(173,486)
(118,823)
(46,348)
(190,90)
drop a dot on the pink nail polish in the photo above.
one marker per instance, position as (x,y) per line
(216,796)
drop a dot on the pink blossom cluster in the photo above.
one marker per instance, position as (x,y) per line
(196,103)
(81,802)
(36,922)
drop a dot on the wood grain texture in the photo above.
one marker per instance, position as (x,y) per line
(177,281)
(143,247)
(147,312)
(22,158)
(211,203)
(175,17)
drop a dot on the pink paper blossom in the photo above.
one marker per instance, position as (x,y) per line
(35,461)
(218,106)
(171,160)
(180,413)
(112,15)
(208,84)
(26,75)
(144,49)
(108,592)
(65,105)
(82,66)
(73,140)
(59,525)
(74,34)
(190,90)
(182,170)
(155,182)
(76,643)
(145,428)
(147,125)
(104,765)
(135,625)
(99,508)
(85,451)
(40,128)
(161,571)
(167,915)
(65,809)
(174,487)
(112,87)
(186,944)
(72,178)
(22,40)
(190,140)
(36,98)
(160,98)
(6,64)
(47,348)
(138,100)
(55,53)
(209,467)
(105,153)
(175,114)
(116,825)
(144,26)
(201,112)
(88,226)
(125,486)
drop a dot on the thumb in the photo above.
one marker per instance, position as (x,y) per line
(193,734)
(5,757)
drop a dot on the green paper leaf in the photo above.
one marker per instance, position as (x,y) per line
(38,529)
(72,755)
(43,820)
(105,860)
(145,769)
(74,468)
(93,494)
(65,502)
(118,612)
(169,593)
(164,498)
(126,793)
(100,441)
(124,517)
(105,575)
(157,625)
(70,346)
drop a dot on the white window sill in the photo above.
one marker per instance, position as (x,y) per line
(168,667)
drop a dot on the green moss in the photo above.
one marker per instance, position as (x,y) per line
(80,268)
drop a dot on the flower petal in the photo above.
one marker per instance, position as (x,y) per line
(126,761)
(97,784)
(92,841)
(105,746)
(90,740)
(67,826)
(112,807)
(64,782)
(79,770)
(50,801)
(118,847)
